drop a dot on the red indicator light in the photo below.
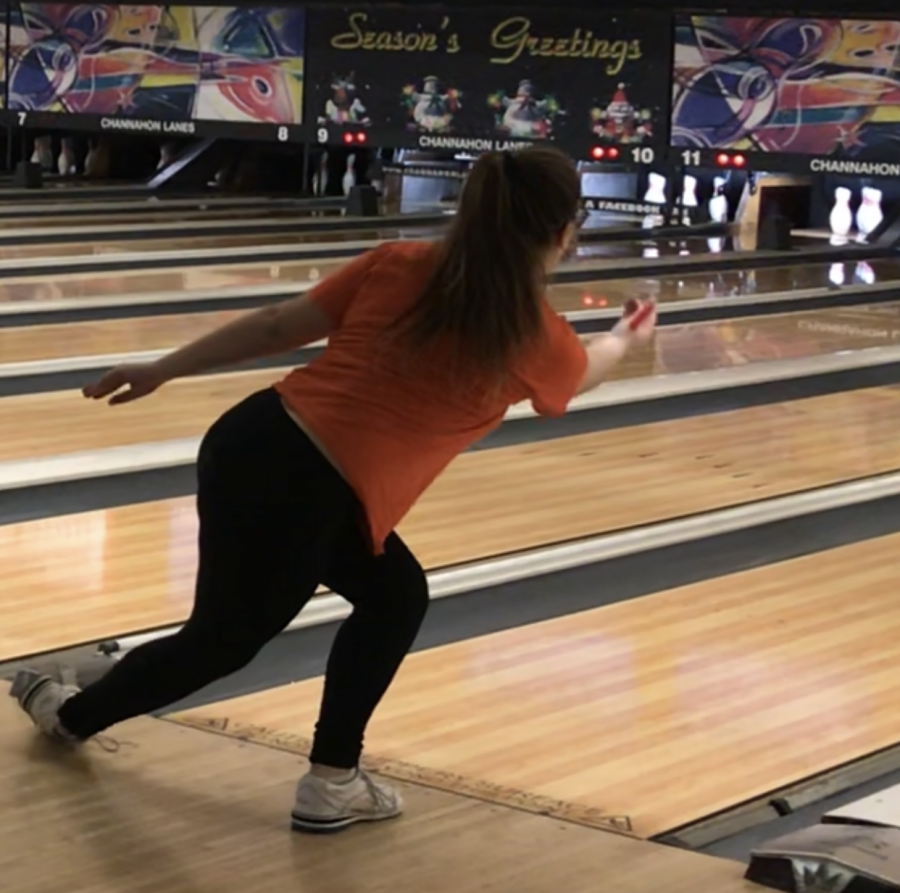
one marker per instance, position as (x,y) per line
(739,161)
(587,300)
(348,137)
(360,137)
(722,159)
(609,152)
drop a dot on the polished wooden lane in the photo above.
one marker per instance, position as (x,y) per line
(112,336)
(687,348)
(73,206)
(581,296)
(598,295)
(248,239)
(76,287)
(60,422)
(176,810)
(251,234)
(42,418)
(664,709)
(135,220)
(742,282)
(118,571)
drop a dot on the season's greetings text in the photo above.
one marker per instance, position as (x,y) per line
(510,40)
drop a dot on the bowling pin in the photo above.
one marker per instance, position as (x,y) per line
(43,152)
(65,164)
(320,182)
(655,195)
(166,156)
(656,190)
(718,204)
(864,273)
(869,214)
(688,198)
(349,180)
(841,218)
(837,274)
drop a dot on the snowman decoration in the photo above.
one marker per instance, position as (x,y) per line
(431,110)
(522,116)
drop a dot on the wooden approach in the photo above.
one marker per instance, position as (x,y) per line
(647,715)
(105,573)
(177,810)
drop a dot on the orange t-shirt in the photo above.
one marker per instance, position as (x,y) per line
(391,434)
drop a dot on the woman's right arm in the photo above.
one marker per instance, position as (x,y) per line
(605,352)
(568,367)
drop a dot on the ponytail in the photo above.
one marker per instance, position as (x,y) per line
(483,299)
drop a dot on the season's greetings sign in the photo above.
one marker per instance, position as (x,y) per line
(474,80)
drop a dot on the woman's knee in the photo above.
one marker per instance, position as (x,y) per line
(397,611)
(403,593)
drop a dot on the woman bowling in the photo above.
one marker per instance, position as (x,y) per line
(304,483)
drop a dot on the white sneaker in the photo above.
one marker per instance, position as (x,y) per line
(41,697)
(322,806)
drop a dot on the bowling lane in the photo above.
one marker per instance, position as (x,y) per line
(126,569)
(59,422)
(248,239)
(588,250)
(153,204)
(743,282)
(688,348)
(152,216)
(178,280)
(229,276)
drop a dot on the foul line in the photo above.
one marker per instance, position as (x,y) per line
(448,782)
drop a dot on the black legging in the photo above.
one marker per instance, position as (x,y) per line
(276,520)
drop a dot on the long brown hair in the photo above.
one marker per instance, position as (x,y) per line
(482,303)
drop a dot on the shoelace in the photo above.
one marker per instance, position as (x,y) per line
(105,742)
(381,798)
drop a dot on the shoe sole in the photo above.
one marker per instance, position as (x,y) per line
(332,826)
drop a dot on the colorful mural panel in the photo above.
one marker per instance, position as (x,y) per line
(161,63)
(803,86)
